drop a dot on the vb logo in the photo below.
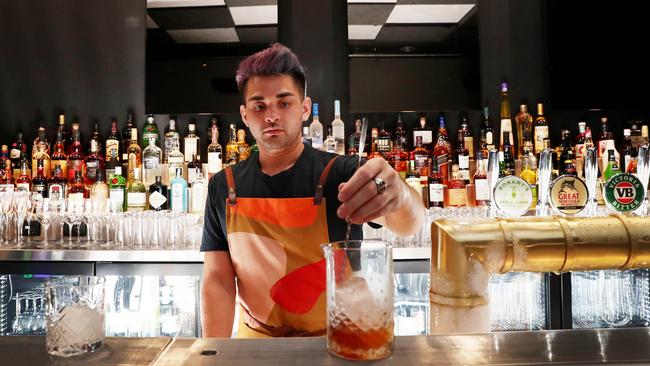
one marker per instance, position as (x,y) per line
(624,192)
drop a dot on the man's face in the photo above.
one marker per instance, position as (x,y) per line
(274,111)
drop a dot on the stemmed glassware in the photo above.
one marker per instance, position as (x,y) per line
(44,215)
(21,205)
(5,215)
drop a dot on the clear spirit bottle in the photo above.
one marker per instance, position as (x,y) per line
(338,129)
(215,162)
(172,138)
(316,129)
(192,144)
(178,195)
(151,159)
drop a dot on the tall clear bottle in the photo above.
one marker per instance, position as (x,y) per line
(175,162)
(506,116)
(151,159)
(178,195)
(316,129)
(338,129)
(215,162)
(41,152)
(198,192)
(524,123)
(232,149)
(134,154)
(113,143)
(541,129)
(192,144)
(172,138)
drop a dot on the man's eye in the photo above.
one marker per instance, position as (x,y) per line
(258,107)
(285,105)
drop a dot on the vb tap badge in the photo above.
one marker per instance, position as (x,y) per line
(624,193)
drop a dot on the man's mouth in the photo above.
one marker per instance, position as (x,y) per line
(273,131)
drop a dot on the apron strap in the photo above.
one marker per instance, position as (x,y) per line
(318,195)
(232,195)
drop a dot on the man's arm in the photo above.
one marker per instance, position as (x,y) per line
(399,207)
(218,295)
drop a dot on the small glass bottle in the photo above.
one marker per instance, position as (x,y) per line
(481,186)
(199,192)
(612,166)
(56,185)
(39,183)
(178,194)
(158,195)
(436,186)
(151,160)
(192,144)
(116,191)
(232,148)
(99,190)
(244,149)
(457,192)
(330,143)
(215,162)
(136,194)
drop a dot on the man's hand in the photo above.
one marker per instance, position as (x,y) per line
(361,201)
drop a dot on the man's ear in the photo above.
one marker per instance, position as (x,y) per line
(242,112)
(306,108)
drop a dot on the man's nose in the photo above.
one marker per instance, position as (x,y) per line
(272,115)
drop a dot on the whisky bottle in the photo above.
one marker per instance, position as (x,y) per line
(126,141)
(425,132)
(192,144)
(436,186)
(77,192)
(420,155)
(567,156)
(93,164)
(374,137)
(413,177)
(113,143)
(215,163)
(384,141)
(481,186)
(468,139)
(95,136)
(41,152)
(76,156)
(441,150)
(244,149)
(232,149)
(193,167)
(56,185)
(487,133)
(58,155)
(39,182)
(462,157)
(399,158)
(63,130)
(456,191)
(24,180)
(16,154)
(400,136)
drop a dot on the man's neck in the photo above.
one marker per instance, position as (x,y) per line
(273,162)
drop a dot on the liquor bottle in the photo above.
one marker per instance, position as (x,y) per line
(566,155)
(77,192)
(436,186)
(95,136)
(541,129)
(244,149)
(178,195)
(487,133)
(399,158)
(56,185)
(374,137)
(424,131)
(113,143)
(605,136)
(149,130)
(329,144)
(506,116)
(99,189)
(116,191)
(610,147)
(580,140)
(456,191)
(213,124)
(524,125)
(192,167)
(384,141)
(420,155)
(134,156)
(93,164)
(63,130)
(462,157)
(353,144)
(58,155)
(158,195)
(191,144)
(151,160)
(529,174)
(18,150)
(466,127)
(635,134)
(644,135)
(316,129)
(76,155)
(352,149)
(612,166)
(508,167)
(175,161)
(254,147)
(126,141)
(7,181)
(4,155)
(481,186)
(112,163)
(413,176)
(41,152)
(215,162)
(24,180)
(400,136)
(441,150)
(136,193)
(305,135)
(172,138)
(232,148)
(70,140)
(628,151)
(199,192)
(39,182)
(338,129)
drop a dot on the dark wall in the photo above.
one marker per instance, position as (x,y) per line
(83,57)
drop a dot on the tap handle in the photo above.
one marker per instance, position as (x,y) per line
(493,171)
(591,171)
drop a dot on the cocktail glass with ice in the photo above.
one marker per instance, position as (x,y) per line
(74,315)
(360,302)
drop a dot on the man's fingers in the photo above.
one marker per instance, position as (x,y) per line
(360,178)
(360,197)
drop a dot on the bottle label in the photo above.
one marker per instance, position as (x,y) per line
(175,160)
(61,163)
(190,148)
(177,198)
(198,197)
(151,162)
(580,150)
(112,147)
(116,197)
(338,131)
(91,170)
(56,192)
(568,194)
(457,197)
(512,196)
(469,144)
(40,188)
(157,199)
(482,189)
(421,162)
(170,142)
(383,145)
(436,192)
(427,136)
(22,187)
(6,187)
(463,162)
(214,162)
(73,167)
(489,140)
(624,193)
(136,200)
(541,133)
(191,175)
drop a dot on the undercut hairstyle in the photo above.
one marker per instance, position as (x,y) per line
(274,60)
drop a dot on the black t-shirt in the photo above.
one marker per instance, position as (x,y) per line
(298,181)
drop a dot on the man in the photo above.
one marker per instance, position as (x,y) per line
(266,217)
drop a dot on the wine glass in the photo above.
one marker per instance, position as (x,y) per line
(21,204)
(6,198)
(44,215)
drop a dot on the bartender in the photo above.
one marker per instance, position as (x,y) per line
(266,217)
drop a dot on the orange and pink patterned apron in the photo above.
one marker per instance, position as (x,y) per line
(279,265)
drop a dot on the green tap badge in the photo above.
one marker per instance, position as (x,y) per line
(624,192)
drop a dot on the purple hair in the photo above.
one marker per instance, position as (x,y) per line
(274,60)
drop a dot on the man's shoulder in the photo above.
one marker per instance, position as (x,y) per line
(218,182)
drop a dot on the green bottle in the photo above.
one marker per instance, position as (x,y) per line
(612,166)
(149,130)
(116,191)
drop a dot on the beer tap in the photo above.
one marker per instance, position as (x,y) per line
(544,181)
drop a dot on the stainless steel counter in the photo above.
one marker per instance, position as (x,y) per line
(116,351)
(30,253)
(565,347)
(568,347)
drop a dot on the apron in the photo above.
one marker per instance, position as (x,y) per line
(279,266)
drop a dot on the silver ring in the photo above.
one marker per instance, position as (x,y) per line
(381,185)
